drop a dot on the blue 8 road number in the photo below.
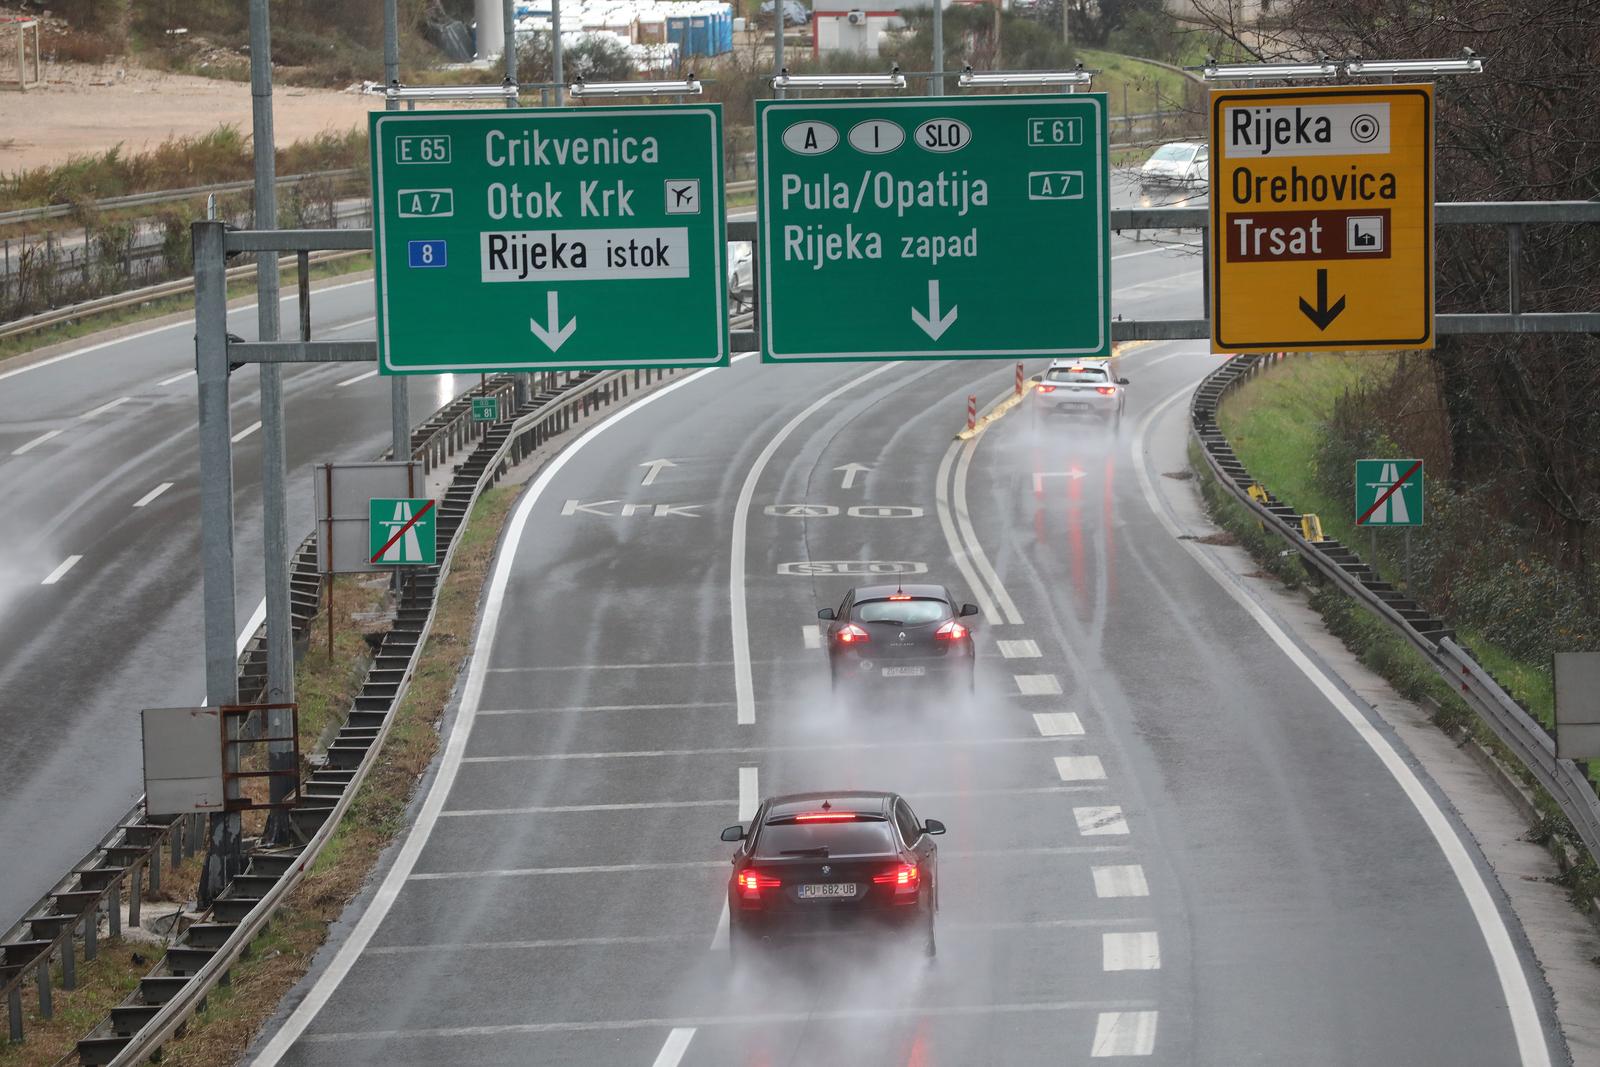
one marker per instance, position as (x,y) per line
(425,253)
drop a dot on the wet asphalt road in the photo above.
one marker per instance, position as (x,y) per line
(1165,845)
(82,442)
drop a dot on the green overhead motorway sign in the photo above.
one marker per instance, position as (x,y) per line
(549,237)
(934,228)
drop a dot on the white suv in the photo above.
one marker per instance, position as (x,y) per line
(1182,164)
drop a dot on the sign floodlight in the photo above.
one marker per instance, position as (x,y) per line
(1212,71)
(1469,63)
(689,86)
(893,80)
(439,93)
(1002,79)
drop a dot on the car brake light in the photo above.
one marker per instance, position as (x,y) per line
(950,631)
(1105,390)
(751,883)
(851,634)
(826,816)
(1047,388)
(900,596)
(903,878)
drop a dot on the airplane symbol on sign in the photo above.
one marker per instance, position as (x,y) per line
(684,198)
(681,193)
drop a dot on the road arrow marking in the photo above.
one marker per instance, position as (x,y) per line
(655,466)
(555,335)
(933,324)
(1322,315)
(851,470)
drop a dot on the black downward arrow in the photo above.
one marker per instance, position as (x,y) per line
(1322,314)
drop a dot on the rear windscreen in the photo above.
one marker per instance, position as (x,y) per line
(913,612)
(855,838)
(1076,374)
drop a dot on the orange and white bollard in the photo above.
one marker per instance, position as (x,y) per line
(972,412)
(1019,379)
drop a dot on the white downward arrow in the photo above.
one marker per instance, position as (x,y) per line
(933,324)
(554,335)
(850,472)
(655,466)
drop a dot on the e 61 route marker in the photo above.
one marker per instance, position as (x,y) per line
(542,238)
(485,409)
(402,532)
(1389,492)
(933,228)
(1322,218)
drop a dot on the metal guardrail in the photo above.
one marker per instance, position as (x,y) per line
(133,298)
(527,432)
(1524,735)
(166,196)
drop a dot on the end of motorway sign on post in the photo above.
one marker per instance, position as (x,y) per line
(1322,218)
(934,228)
(545,238)
(1389,492)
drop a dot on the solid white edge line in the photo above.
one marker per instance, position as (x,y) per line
(61,570)
(958,551)
(743,678)
(181,325)
(152,494)
(749,801)
(980,558)
(671,1053)
(1525,1024)
(455,748)
(25,448)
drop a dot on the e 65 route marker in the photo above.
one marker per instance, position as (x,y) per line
(545,238)
(1322,218)
(933,228)
(390,521)
(1389,492)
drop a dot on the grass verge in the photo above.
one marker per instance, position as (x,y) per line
(98,322)
(278,959)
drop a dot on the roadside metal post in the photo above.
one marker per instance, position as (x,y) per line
(41,979)
(114,911)
(216,524)
(135,895)
(936,82)
(777,44)
(274,501)
(69,964)
(509,16)
(1514,266)
(1408,559)
(91,934)
(555,54)
(399,398)
(14,1014)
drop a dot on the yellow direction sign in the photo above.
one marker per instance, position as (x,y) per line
(1322,218)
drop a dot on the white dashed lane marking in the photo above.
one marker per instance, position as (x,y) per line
(671,1053)
(1038,685)
(1124,1033)
(103,408)
(811,636)
(1058,723)
(176,378)
(1079,768)
(246,432)
(1123,881)
(60,572)
(749,793)
(1139,951)
(24,449)
(1018,649)
(1101,820)
(152,494)
(358,378)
